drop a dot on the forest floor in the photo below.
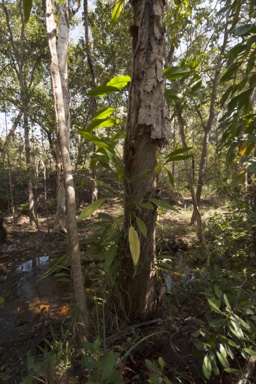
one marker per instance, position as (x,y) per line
(33,309)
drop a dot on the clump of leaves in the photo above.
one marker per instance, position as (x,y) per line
(227,331)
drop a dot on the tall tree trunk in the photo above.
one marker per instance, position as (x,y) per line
(63,139)
(197,215)
(139,289)
(94,84)
(62,50)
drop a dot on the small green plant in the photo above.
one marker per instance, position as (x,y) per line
(104,368)
(55,360)
(157,375)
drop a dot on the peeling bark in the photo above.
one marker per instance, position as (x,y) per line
(140,292)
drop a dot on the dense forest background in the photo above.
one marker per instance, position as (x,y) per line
(127,142)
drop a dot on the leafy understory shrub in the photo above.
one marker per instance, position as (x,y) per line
(227,336)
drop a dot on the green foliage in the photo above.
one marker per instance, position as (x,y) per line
(102,367)
(27,5)
(229,329)
(157,375)
(116,12)
(88,211)
(226,333)
(114,85)
(55,360)
(237,123)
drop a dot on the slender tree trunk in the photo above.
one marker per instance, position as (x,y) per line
(31,201)
(94,84)
(139,289)
(10,135)
(63,139)
(196,210)
(208,126)
(63,16)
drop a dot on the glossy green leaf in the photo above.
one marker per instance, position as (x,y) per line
(222,357)
(27,5)
(146,205)
(102,123)
(232,370)
(110,256)
(214,303)
(229,74)
(174,73)
(103,184)
(88,211)
(108,366)
(178,151)
(162,204)
(142,227)
(244,30)
(105,216)
(116,12)
(172,94)
(177,158)
(170,176)
(226,301)
(194,87)
(119,81)
(214,365)
(2,300)
(134,244)
(98,141)
(238,178)
(217,323)
(250,352)
(103,113)
(217,291)
(200,345)
(102,90)
(207,367)
(152,367)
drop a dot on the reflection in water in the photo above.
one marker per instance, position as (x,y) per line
(30,265)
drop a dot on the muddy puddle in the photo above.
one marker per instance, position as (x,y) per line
(32,306)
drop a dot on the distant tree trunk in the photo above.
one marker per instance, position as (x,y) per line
(94,84)
(139,290)
(10,135)
(31,201)
(63,140)
(6,149)
(208,126)
(196,210)
(18,59)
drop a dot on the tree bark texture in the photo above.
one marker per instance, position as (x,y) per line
(62,52)
(63,139)
(147,122)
